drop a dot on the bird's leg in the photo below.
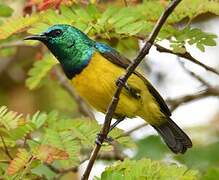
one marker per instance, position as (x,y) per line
(101,138)
(134,92)
(120,119)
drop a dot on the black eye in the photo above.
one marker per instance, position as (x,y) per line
(55,33)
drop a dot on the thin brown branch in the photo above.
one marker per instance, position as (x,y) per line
(61,171)
(194,75)
(122,80)
(6,148)
(186,56)
(125,3)
(132,130)
(107,156)
(82,106)
(174,103)
(14,44)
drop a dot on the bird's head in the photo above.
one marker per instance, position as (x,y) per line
(62,38)
(70,46)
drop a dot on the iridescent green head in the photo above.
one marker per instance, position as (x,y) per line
(69,45)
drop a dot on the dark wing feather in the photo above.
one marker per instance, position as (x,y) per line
(113,56)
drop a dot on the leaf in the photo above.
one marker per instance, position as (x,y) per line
(201,157)
(38,119)
(9,119)
(5,11)
(19,162)
(43,171)
(200,47)
(21,131)
(211,174)
(48,154)
(192,36)
(151,147)
(86,131)
(15,25)
(39,71)
(63,141)
(147,169)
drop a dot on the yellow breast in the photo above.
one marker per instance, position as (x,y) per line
(96,85)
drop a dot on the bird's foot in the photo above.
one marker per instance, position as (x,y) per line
(120,81)
(133,91)
(102,138)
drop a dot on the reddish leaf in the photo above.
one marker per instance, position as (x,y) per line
(19,162)
(49,153)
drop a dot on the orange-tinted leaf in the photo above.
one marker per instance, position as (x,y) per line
(49,153)
(19,162)
(42,5)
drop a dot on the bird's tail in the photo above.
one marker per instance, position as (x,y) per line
(173,136)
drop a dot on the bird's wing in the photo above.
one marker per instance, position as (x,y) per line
(113,56)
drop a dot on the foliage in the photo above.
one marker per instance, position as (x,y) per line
(62,139)
(48,138)
(147,169)
(5,11)
(39,71)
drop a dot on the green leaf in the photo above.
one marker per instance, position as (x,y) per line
(201,157)
(38,119)
(211,174)
(9,119)
(39,71)
(21,131)
(43,171)
(64,141)
(147,169)
(200,47)
(151,147)
(5,11)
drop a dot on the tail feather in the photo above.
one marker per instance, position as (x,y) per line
(173,136)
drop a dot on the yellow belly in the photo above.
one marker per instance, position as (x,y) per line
(96,85)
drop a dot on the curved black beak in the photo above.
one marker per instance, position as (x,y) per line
(40,37)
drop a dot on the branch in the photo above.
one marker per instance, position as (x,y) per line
(82,106)
(132,130)
(122,80)
(14,44)
(187,56)
(174,103)
(194,75)
(6,148)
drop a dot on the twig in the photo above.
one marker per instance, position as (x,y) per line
(14,44)
(82,106)
(108,156)
(61,171)
(6,148)
(187,56)
(194,75)
(174,103)
(132,130)
(125,2)
(122,80)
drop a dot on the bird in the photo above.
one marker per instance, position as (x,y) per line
(93,67)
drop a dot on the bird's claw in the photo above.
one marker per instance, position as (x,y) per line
(120,81)
(101,138)
(134,92)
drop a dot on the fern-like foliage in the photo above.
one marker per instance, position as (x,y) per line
(9,119)
(19,162)
(48,154)
(16,25)
(64,141)
(116,22)
(147,169)
(39,71)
